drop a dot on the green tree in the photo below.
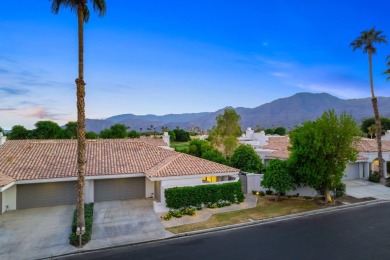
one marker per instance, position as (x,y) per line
(1,130)
(118,131)
(269,131)
(280,131)
(246,159)
(81,7)
(134,134)
(214,156)
(105,134)
(181,135)
(18,132)
(366,41)
(70,131)
(320,150)
(172,135)
(46,130)
(385,123)
(197,147)
(278,177)
(91,135)
(371,130)
(387,72)
(224,135)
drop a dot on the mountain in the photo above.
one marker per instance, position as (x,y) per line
(287,112)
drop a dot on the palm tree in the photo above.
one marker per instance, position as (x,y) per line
(81,8)
(365,41)
(388,70)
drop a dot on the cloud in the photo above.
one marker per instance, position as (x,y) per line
(13,91)
(33,112)
(280,74)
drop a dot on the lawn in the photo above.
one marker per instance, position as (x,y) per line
(180,146)
(266,208)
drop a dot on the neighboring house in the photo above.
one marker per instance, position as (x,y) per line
(272,147)
(38,173)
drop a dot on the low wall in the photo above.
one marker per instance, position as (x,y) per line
(253,184)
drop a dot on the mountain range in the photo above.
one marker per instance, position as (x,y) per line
(287,112)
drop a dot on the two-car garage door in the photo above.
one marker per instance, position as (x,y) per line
(46,194)
(64,193)
(119,189)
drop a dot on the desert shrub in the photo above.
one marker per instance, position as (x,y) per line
(340,190)
(88,215)
(374,177)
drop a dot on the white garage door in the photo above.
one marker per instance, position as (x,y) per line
(351,172)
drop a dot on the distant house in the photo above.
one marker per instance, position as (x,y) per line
(272,147)
(39,173)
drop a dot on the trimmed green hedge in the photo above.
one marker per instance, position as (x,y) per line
(88,215)
(181,197)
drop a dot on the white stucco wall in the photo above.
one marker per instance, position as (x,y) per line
(9,199)
(253,184)
(149,188)
(89,192)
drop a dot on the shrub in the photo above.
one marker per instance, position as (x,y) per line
(88,215)
(340,190)
(269,192)
(254,192)
(278,177)
(374,177)
(261,194)
(181,197)
(388,182)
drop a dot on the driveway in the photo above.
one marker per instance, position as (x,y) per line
(35,233)
(364,189)
(125,222)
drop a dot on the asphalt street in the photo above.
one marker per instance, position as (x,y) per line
(353,233)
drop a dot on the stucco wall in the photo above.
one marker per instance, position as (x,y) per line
(149,188)
(9,199)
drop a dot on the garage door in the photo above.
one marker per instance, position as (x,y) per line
(46,194)
(1,202)
(351,172)
(119,189)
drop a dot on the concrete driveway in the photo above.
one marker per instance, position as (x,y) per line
(125,222)
(364,189)
(35,233)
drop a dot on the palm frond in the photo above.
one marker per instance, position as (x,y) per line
(99,6)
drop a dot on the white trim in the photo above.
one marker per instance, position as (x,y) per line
(116,176)
(7,186)
(46,180)
(192,176)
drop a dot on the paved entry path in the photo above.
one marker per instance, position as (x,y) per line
(125,222)
(364,189)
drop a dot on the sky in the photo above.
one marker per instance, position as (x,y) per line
(161,57)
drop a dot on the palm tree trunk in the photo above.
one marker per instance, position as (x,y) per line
(377,117)
(80,85)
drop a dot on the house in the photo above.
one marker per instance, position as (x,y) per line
(272,147)
(39,173)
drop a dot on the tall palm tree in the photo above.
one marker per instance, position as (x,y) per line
(366,41)
(388,70)
(81,8)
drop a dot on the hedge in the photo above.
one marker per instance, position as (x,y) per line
(88,215)
(180,197)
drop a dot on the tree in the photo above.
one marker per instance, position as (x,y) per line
(172,135)
(18,132)
(70,131)
(197,147)
(118,131)
(387,72)
(278,177)
(81,7)
(46,130)
(246,159)
(366,41)
(214,156)
(134,134)
(320,150)
(269,131)
(181,135)
(385,123)
(280,131)
(371,130)
(1,130)
(224,135)
(91,135)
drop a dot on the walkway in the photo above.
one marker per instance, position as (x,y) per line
(363,189)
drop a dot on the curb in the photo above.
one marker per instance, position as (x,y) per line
(230,227)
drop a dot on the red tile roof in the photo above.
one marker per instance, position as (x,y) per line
(5,180)
(44,159)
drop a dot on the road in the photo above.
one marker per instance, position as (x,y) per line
(354,233)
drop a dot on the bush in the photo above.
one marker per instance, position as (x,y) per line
(278,177)
(179,213)
(182,197)
(133,134)
(374,177)
(261,194)
(269,192)
(340,190)
(88,215)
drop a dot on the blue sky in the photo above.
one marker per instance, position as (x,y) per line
(159,57)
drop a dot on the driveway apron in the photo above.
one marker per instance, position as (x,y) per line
(125,222)
(364,189)
(36,233)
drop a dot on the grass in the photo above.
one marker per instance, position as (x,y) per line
(180,146)
(266,208)
(88,215)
